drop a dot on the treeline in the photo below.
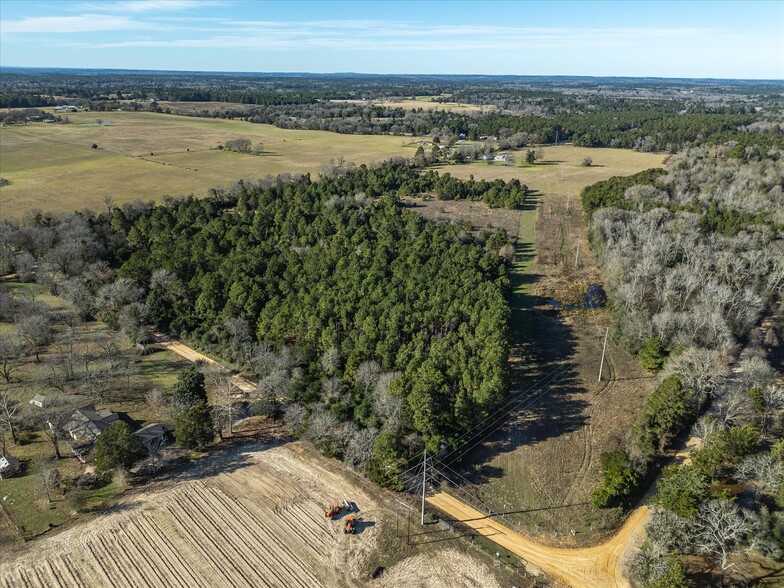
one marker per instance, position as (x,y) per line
(384,330)
(692,258)
(624,125)
(695,258)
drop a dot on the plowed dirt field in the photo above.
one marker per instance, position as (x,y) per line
(258,523)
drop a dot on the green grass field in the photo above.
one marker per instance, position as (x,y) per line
(143,155)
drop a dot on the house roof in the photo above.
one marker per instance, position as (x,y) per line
(150,431)
(88,422)
(7,461)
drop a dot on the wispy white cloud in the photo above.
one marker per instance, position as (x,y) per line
(84,23)
(380,35)
(140,6)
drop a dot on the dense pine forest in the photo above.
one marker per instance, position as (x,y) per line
(385,330)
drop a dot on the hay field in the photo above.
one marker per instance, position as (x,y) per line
(144,156)
(560,171)
(423,102)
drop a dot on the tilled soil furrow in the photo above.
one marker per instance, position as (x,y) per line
(168,556)
(226,528)
(317,536)
(76,576)
(151,573)
(305,520)
(283,566)
(99,565)
(208,547)
(56,575)
(123,572)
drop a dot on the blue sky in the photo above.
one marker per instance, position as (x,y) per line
(665,39)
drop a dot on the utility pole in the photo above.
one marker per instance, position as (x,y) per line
(577,255)
(424,479)
(604,348)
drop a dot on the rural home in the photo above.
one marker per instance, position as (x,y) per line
(8,466)
(38,400)
(87,423)
(152,437)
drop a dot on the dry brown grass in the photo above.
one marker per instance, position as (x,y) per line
(478,214)
(423,102)
(561,172)
(144,156)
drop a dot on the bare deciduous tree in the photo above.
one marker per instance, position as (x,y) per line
(761,470)
(223,405)
(156,400)
(330,361)
(48,476)
(36,330)
(368,373)
(701,370)
(386,404)
(10,360)
(9,414)
(718,529)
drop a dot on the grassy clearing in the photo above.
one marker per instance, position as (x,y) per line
(423,102)
(543,466)
(143,155)
(560,171)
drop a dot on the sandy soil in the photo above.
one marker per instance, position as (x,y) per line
(593,567)
(443,569)
(257,520)
(190,354)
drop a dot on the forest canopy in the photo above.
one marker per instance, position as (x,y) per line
(372,319)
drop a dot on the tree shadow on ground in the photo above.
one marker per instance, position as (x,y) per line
(231,455)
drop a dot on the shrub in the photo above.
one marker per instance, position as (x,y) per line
(682,489)
(652,355)
(587,162)
(620,480)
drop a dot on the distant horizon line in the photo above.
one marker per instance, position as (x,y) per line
(352,73)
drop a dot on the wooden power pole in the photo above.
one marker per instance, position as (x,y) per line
(424,479)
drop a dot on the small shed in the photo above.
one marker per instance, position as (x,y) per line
(8,466)
(38,400)
(153,437)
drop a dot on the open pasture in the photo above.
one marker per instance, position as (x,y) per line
(423,102)
(143,155)
(561,170)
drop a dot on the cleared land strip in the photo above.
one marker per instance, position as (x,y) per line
(591,567)
(192,355)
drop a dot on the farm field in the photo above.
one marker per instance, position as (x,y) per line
(252,515)
(145,156)
(423,102)
(259,522)
(560,171)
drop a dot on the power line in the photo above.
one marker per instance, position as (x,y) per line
(513,400)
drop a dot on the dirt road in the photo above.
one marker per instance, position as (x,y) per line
(190,354)
(591,567)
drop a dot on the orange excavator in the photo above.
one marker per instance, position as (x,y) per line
(333,511)
(351,522)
